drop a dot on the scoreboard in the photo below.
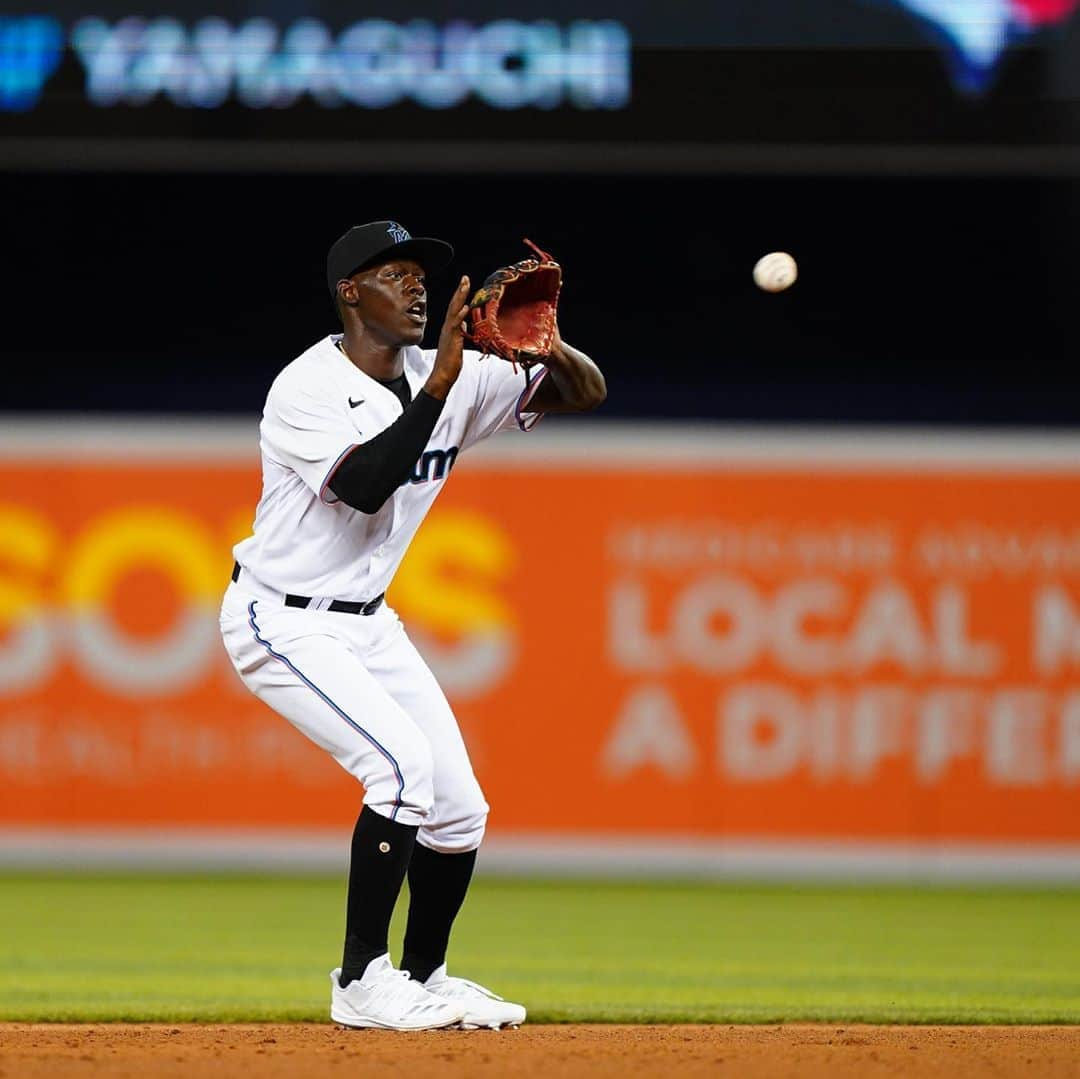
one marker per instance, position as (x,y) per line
(776,84)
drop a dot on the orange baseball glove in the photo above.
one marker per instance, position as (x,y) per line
(512,314)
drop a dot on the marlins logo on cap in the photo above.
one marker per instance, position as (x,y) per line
(977,32)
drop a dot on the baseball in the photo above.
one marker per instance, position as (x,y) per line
(775,272)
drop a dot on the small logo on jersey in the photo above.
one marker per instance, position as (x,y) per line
(355,404)
(397,233)
(434,465)
(977,32)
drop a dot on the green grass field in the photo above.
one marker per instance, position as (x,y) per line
(227,948)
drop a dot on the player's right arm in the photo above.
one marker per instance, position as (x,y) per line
(367,476)
(448,358)
(311,433)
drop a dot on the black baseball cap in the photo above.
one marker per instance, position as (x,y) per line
(377,241)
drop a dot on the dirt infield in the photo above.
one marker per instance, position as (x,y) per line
(277,1051)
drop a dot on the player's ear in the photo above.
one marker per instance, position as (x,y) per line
(346,292)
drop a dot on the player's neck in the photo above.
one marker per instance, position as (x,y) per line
(382,362)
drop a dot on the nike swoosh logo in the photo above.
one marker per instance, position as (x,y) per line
(353,404)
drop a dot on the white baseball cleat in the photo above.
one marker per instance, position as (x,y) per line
(482,1007)
(389,999)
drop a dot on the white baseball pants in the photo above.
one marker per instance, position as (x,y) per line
(357,687)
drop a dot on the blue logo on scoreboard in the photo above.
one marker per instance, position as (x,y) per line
(30,50)
(976,33)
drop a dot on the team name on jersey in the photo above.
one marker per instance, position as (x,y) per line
(434,465)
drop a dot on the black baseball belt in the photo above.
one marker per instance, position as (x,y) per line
(342,606)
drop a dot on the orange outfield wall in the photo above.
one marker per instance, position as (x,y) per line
(708,646)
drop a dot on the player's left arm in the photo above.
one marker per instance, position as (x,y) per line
(573,384)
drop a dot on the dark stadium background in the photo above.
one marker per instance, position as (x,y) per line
(920,299)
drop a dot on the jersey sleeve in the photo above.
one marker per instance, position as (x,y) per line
(308,434)
(502,397)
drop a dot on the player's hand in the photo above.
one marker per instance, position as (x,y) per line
(451,344)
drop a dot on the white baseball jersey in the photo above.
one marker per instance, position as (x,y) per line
(319,407)
(354,683)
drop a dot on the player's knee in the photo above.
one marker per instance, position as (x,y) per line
(417,778)
(459,828)
(473,826)
(401,785)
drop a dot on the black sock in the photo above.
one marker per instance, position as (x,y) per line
(381,850)
(437,887)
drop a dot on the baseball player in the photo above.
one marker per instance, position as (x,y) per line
(358,436)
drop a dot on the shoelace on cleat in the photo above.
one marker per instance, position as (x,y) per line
(397,987)
(462,987)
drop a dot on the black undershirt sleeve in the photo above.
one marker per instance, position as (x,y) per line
(377,468)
